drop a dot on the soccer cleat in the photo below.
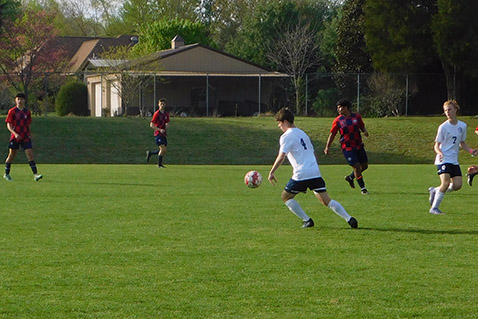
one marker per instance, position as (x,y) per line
(308,223)
(37,177)
(436,211)
(350,180)
(364,191)
(470,178)
(161,166)
(432,192)
(148,155)
(353,222)
(7,177)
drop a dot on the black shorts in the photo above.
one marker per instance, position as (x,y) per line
(161,140)
(447,168)
(356,156)
(15,145)
(315,184)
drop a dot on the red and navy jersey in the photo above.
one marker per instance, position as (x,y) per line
(476,130)
(20,121)
(159,120)
(349,128)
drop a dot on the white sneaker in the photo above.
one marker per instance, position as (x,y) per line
(7,177)
(37,177)
(432,192)
(436,211)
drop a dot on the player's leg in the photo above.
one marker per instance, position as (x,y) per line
(12,152)
(162,152)
(445,180)
(31,162)
(336,207)
(293,188)
(471,173)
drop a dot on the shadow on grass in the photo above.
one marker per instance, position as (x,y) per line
(126,184)
(422,231)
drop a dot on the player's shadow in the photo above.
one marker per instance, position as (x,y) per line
(423,231)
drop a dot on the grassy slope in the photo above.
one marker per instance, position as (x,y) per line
(225,140)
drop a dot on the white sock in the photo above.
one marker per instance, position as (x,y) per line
(294,207)
(450,188)
(339,209)
(438,198)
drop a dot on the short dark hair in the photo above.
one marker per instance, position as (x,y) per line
(162,100)
(20,95)
(284,114)
(344,102)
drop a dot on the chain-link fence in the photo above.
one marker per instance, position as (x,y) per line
(375,94)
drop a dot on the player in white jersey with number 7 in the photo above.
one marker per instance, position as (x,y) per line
(450,137)
(296,145)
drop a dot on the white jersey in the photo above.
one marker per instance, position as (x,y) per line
(300,152)
(450,136)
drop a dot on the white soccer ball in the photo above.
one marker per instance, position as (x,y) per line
(253,179)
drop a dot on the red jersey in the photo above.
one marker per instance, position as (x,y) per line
(349,128)
(159,120)
(476,130)
(20,121)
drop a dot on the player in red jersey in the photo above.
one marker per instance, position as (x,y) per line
(159,124)
(350,125)
(18,122)
(472,170)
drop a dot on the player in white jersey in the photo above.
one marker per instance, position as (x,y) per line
(450,137)
(296,145)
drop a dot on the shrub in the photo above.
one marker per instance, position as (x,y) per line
(72,98)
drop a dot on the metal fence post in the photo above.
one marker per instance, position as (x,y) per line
(358,92)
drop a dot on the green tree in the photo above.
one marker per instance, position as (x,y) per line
(456,41)
(158,35)
(351,51)
(398,34)
(8,10)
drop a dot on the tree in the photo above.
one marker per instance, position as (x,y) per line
(398,34)
(26,54)
(8,10)
(456,40)
(158,35)
(295,52)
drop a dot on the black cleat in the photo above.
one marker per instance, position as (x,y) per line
(470,178)
(148,155)
(161,166)
(350,180)
(353,222)
(308,223)
(364,191)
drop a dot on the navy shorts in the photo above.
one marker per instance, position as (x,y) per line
(315,184)
(453,170)
(161,140)
(356,156)
(15,145)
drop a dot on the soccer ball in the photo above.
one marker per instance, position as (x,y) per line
(253,179)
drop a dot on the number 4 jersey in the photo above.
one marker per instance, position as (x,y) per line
(300,152)
(450,136)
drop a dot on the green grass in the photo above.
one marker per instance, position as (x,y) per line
(134,241)
(213,141)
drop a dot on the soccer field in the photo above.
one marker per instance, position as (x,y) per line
(135,241)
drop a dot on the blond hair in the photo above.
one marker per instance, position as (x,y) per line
(452,102)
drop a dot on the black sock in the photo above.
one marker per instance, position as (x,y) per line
(7,168)
(361,182)
(33,166)
(160,160)
(352,176)
(153,152)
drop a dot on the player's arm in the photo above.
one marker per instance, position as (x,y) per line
(465,146)
(437,149)
(364,131)
(10,128)
(330,139)
(277,163)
